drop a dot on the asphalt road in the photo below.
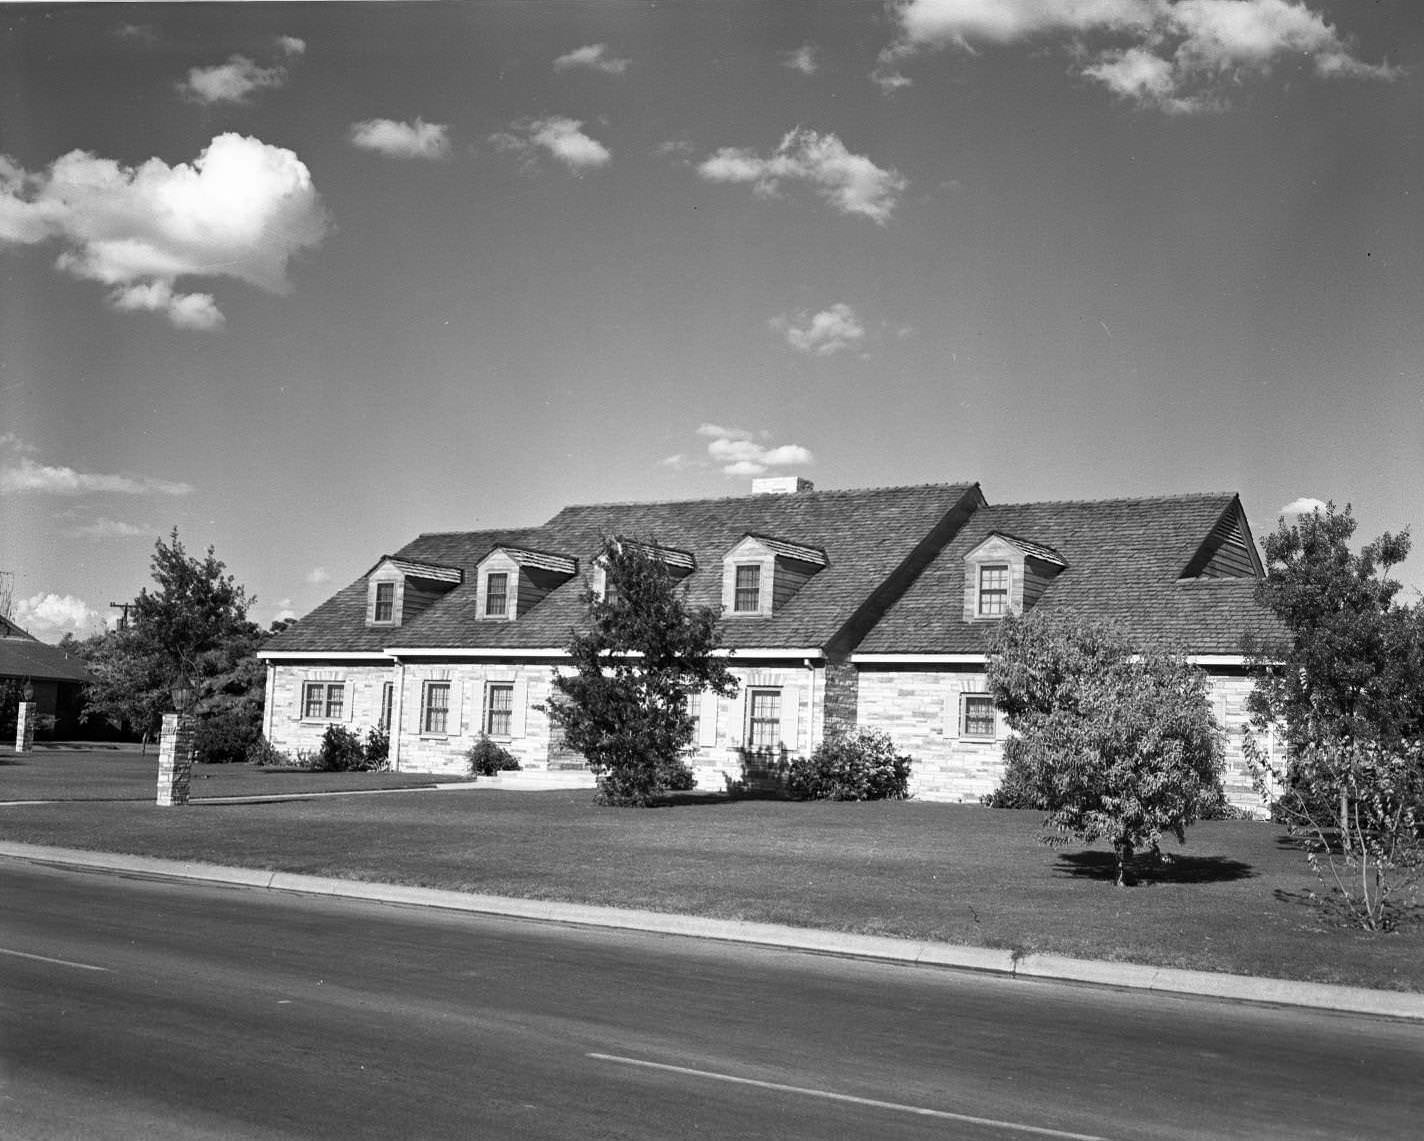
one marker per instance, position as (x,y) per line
(136,1008)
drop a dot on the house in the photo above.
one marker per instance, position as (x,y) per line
(57,679)
(871,607)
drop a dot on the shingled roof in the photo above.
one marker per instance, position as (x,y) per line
(873,539)
(1124,561)
(24,656)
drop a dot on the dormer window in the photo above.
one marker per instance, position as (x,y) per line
(993,590)
(760,575)
(677,563)
(510,581)
(747,596)
(496,595)
(400,590)
(1006,575)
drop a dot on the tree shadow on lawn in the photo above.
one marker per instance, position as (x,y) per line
(1407,917)
(1149,870)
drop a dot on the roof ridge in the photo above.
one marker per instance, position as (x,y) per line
(1175,497)
(793,496)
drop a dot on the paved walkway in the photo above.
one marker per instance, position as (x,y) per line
(1241,988)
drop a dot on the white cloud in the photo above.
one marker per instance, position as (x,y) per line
(14,443)
(821,334)
(803,59)
(741,456)
(851,183)
(595,57)
(292,45)
(1305,505)
(283,611)
(716,431)
(109,529)
(26,476)
(402,140)
(53,616)
(1174,55)
(318,575)
(561,137)
(230,82)
(242,209)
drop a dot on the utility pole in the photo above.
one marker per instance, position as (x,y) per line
(124,617)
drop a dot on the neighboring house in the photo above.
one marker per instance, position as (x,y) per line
(870,607)
(58,679)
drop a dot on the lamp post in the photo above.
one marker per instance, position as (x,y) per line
(175,749)
(25,718)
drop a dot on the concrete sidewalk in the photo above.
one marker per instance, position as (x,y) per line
(1239,988)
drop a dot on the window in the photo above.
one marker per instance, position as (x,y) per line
(323,700)
(976,716)
(496,594)
(746,598)
(993,589)
(763,718)
(388,691)
(499,710)
(385,602)
(437,707)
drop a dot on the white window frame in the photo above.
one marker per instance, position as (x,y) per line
(388,704)
(506,712)
(326,703)
(426,708)
(390,618)
(753,721)
(1000,594)
(964,702)
(737,588)
(503,611)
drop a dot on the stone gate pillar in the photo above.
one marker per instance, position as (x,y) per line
(175,759)
(25,726)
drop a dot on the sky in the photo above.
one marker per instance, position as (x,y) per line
(306,280)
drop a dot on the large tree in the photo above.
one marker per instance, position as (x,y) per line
(193,622)
(1350,663)
(1114,741)
(645,655)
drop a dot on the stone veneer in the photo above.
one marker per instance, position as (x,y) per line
(175,759)
(25,718)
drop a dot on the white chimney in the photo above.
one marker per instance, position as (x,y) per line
(781,485)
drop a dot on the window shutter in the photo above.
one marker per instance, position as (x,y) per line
(520,700)
(707,718)
(950,716)
(348,699)
(484,703)
(453,726)
(1001,725)
(790,717)
(737,722)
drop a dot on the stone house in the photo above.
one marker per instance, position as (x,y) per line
(870,607)
(57,679)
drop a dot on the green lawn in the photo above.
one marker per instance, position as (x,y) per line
(121,772)
(958,873)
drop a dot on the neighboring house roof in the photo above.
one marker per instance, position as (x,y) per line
(874,540)
(1124,561)
(24,656)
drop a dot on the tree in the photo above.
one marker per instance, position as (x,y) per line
(645,654)
(194,622)
(1114,742)
(1351,661)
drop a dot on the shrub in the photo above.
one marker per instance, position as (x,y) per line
(860,764)
(266,755)
(486,758)
(225,738)
(377,748)
(341,752)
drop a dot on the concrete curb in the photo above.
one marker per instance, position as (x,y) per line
(1057,968)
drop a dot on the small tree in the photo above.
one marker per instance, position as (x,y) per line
(646,652)
(1113,742)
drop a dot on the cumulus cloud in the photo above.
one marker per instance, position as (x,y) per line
(402,140)
(821,334)
(717,431)
(318,575)
(562,138)
(595,57)
(283,611)
(109,529)
(53,616)
(230,82)
(851,183)
(1305,505)
(292,45)
(803,59)
(1174,55)
(241,209)
(25,476)
(739,452)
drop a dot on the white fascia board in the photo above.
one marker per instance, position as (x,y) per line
(1217,659)
(763,653)
(374,656)
(482,652)
(914,659)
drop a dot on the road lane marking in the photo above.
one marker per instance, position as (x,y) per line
(47,959)
(830,1095)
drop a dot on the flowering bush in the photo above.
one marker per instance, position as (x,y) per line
(859,764)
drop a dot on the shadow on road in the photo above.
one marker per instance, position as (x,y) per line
(1149,870)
